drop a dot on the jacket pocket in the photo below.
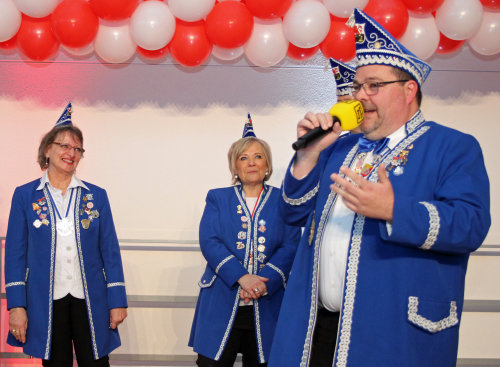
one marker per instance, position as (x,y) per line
(422,313)
(207,278)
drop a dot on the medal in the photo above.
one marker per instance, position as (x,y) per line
(45,222)
(242,235)
(37,223)
(311,228)
(35,206)
(244,218)
(261,240)
(85,223)
(244,225)
(261,257)
(261,248)
(262,228)
(64,226)
(240,245)
(90,205)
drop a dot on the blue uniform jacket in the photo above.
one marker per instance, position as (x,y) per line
(404,288)
(30,260)
(228,236)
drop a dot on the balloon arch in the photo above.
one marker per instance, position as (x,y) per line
(266,31)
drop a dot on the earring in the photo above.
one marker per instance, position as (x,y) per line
(46,161)
(267,173)
(236,177)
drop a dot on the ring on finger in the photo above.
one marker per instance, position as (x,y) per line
(256,290)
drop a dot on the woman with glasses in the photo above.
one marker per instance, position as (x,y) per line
(63,271)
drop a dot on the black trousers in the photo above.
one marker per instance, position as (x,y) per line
(241,340)
(324,338)
(71,326)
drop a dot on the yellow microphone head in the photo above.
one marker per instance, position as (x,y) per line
(350,113)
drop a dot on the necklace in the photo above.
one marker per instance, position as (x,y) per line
(256,202)
(64,225)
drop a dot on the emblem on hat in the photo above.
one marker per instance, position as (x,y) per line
(376,46)
(344,76)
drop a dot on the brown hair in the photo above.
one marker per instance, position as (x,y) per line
(50,137)
(239,146)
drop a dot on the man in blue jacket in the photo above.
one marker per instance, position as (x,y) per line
(390,219)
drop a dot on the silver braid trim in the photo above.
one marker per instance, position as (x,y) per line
(303,199)
(434,225)
(426,324)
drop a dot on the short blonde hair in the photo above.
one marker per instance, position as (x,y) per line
(239,146)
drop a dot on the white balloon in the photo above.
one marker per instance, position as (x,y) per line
(459,19)
(10,20)
(344,8)
(80,51)
(306,23)
(36,8)
(114,44)
(486,41)
(267,45)
(191,10)
(421,36)
(152,25)
(226,54)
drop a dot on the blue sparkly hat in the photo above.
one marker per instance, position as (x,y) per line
(248,129)
(376,46)
(65,118)
(344,75)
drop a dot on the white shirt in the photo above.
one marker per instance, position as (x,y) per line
(337,238)
(67,274)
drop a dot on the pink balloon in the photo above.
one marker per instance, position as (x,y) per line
(114,44)
(306,23)
(459,19)
(421,36)
(486,41)
(267,45)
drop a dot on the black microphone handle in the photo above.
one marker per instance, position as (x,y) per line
(312,135)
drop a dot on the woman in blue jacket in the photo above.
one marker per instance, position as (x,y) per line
(63,271)
(249,252)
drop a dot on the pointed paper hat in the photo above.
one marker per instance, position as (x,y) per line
(65,118)
(376,46)
(344,75)
(248,129)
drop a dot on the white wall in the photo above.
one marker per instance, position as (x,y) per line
(156,138)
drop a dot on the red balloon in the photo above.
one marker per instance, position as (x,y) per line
(74,23)
(36,39)
(301,54)
(229,24)
(339,43)
(268,9)
(190,45)
(391,14)
(153,54)
(447,45)
(113,9)
(9,44)
(423,6)
(491,4)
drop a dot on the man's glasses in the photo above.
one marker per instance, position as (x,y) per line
(67,147)
(371,88)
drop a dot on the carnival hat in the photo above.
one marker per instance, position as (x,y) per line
(248,129)
(376,46)
(344,75)
(65,118)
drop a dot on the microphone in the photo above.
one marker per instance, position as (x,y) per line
(349,114)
